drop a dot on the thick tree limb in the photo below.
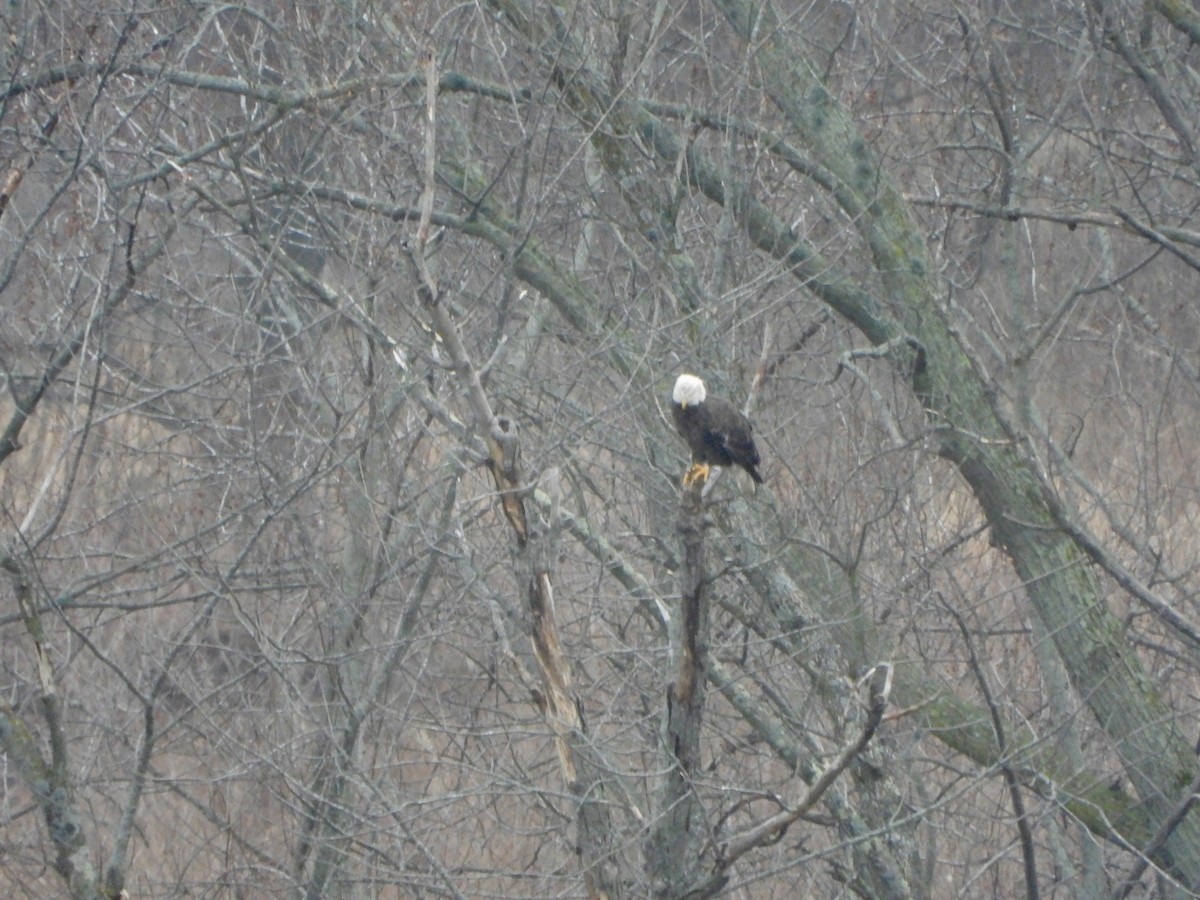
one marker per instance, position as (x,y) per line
(678,830)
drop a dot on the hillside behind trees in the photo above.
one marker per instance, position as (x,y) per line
(343,544)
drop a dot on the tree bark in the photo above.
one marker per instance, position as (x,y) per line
(678,829)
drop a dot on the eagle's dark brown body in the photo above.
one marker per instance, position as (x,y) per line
(715,430)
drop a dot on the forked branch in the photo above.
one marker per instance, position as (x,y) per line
(879,680)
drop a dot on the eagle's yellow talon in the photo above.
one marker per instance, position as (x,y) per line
(697,474)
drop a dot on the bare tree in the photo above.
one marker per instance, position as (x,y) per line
(341,505)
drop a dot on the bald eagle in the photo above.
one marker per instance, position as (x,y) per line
(715,430)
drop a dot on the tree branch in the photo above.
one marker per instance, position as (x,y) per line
(557,704)
(879,680)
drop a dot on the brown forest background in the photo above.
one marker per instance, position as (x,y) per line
(343,544)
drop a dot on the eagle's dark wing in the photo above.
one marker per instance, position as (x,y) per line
(729,437)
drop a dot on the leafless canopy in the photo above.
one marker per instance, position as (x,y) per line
(343,544)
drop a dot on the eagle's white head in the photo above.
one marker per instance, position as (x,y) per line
(689,391)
